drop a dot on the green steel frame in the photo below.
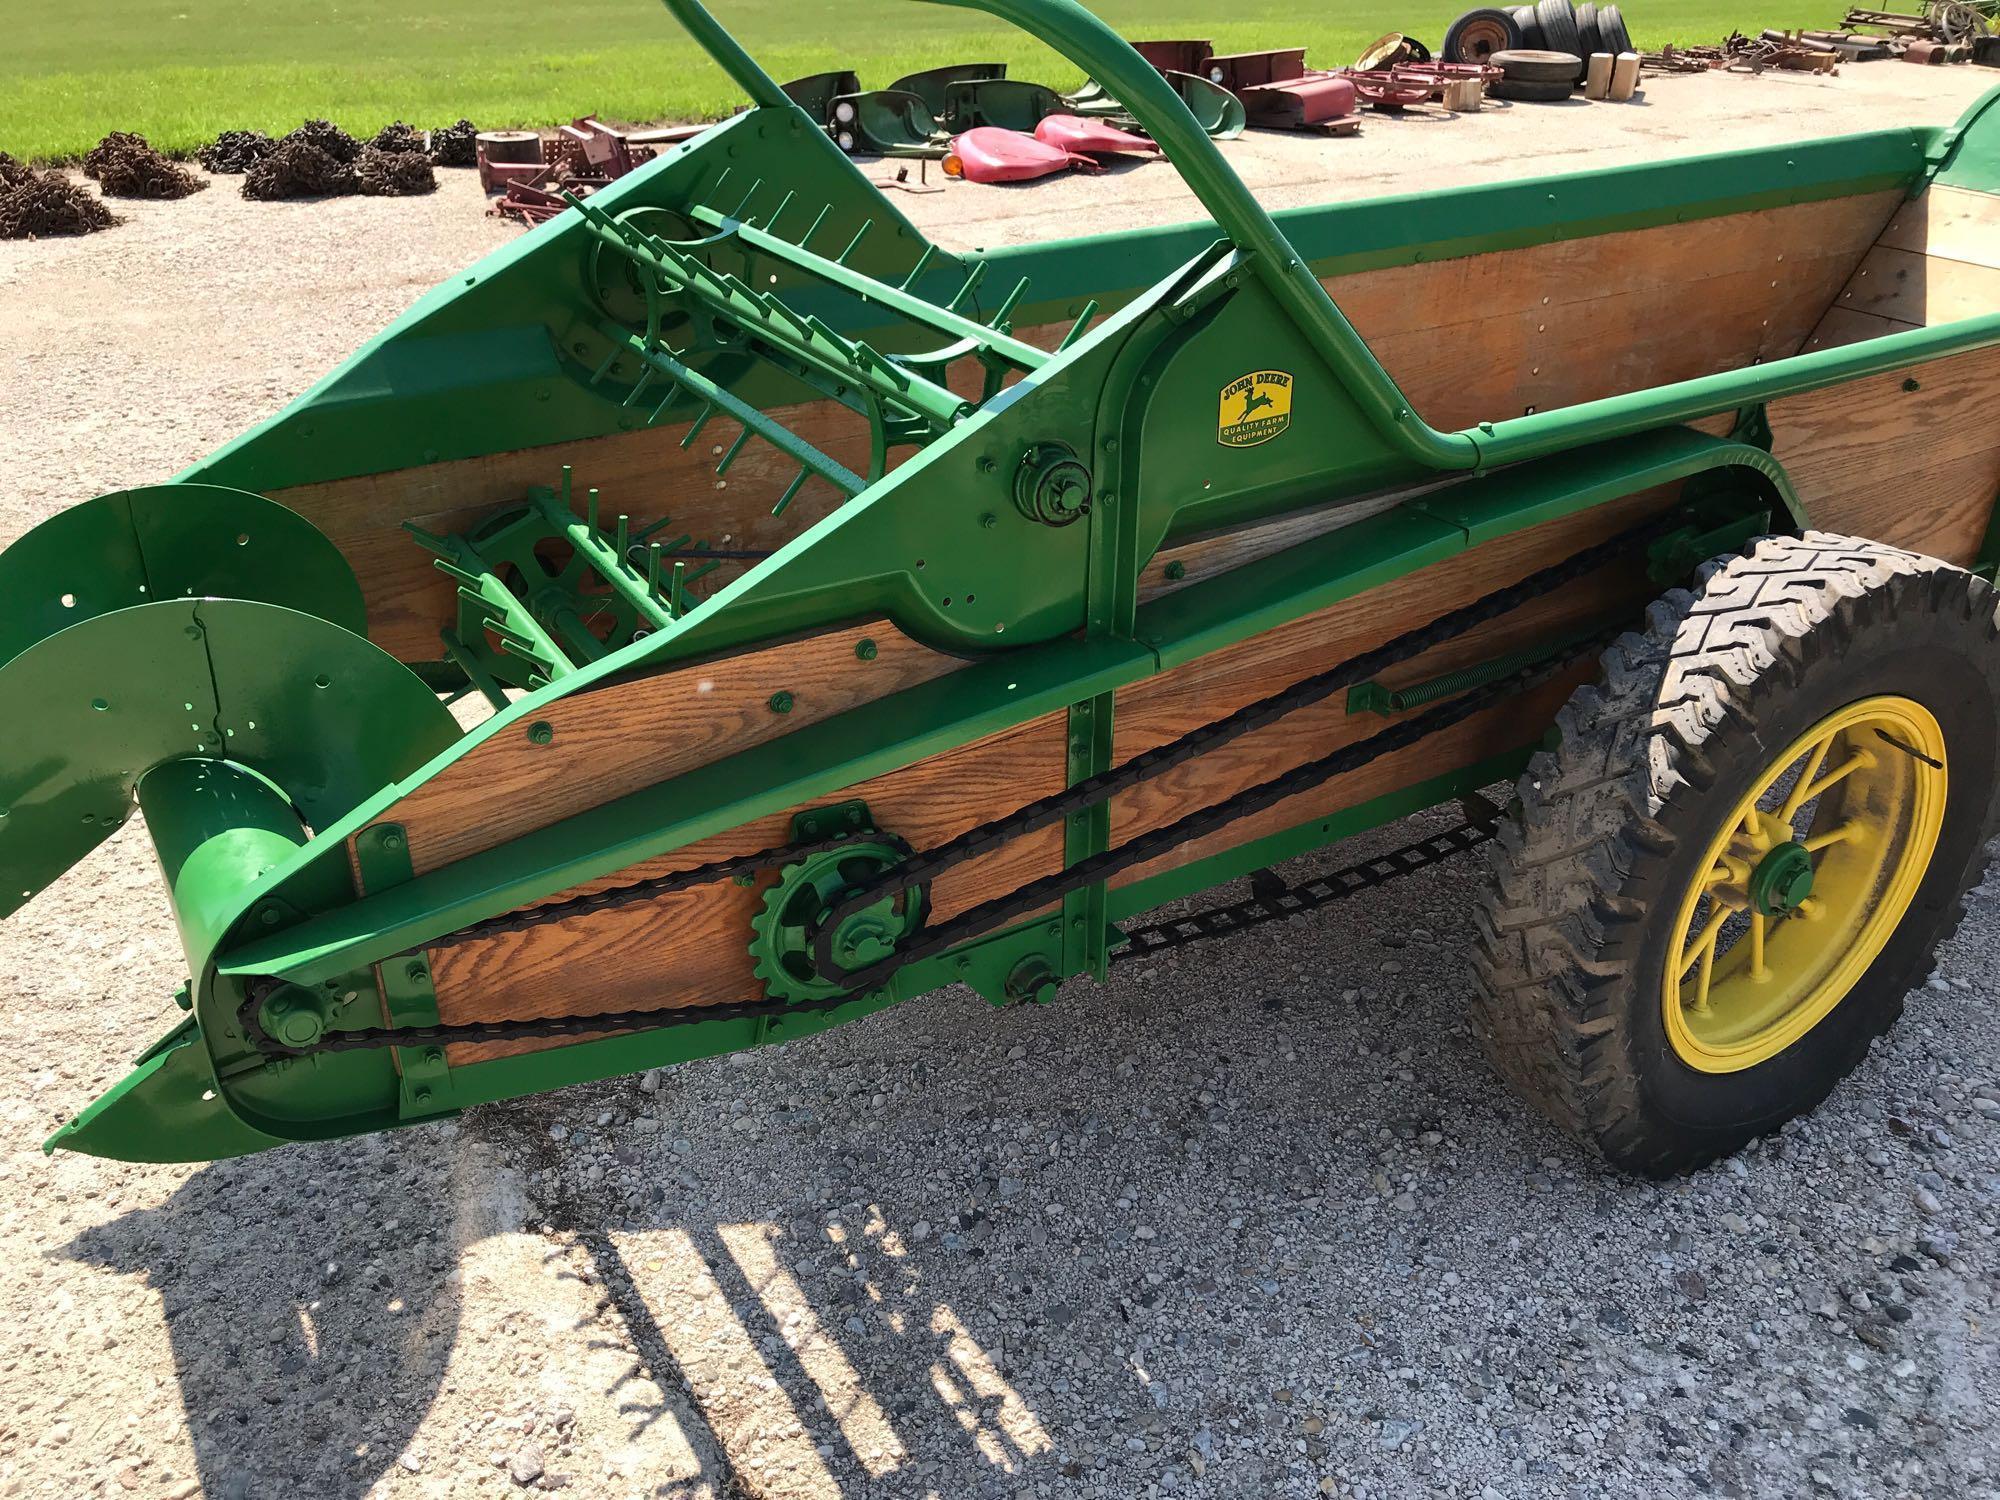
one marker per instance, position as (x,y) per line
(693,288)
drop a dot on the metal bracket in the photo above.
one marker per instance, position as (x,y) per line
(817,824)
(382,856)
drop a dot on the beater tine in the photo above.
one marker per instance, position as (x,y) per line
(923,262)
(791,490)
(1082,322)
(972,280)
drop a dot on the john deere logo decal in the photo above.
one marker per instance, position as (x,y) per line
(1255,408)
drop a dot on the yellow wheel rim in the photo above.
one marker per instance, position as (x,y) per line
(1804,883)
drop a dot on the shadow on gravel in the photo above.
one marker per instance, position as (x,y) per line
(310,1330)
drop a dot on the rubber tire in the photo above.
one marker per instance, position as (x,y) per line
(1558,20)
(1588,874)
(1530,28)
(1455,41)
(1589,36)
(1611,29)
(1527,91)
(1537,66)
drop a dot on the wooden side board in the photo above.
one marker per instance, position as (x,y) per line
(693,948)
(1487,337)
(1158,709)
(1936,260)
(1469,339)
(619,739)
(645,474)
(1916,467)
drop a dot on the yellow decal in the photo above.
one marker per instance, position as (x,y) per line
(1254,409)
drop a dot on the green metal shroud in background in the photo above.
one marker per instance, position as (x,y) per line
(1010,499)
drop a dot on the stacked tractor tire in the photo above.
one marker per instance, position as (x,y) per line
(1544,50)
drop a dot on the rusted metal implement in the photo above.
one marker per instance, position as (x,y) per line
(858,617)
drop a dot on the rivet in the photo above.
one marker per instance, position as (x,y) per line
(1176,571)
(781,702)
(541,732)
(865,650)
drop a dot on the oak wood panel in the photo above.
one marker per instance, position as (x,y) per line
(1918,469)
(619,739)
(701,937)
(694,947)
(1161,708)
(645,474)
(1491,336)
(1212,553)
(1925,290)
(1956,223)
(1506,726)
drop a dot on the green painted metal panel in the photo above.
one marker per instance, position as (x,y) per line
(169,541)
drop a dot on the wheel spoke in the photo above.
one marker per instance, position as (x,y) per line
(1846,768)
(1757,970)
(1706,972)
(1820,841)
(1800,794)
(1705,951)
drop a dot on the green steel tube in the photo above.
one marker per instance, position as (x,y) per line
(216,828)
(1157,106)
(1164,115)
(720,45)
(1615,416)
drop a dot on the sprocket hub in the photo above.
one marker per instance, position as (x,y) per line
(785,930)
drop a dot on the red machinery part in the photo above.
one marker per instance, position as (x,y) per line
(1074,133)
(1413,83)
(1315,99)
(1176,56)
(987,153)
(1278,89)
(1386,88)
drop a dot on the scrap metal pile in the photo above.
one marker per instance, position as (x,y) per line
(1947,31)
(536,180)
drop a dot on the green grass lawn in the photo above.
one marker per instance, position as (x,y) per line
(181,70)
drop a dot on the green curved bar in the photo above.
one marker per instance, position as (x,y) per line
(1163,114)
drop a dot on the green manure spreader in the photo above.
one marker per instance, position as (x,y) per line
(858,617)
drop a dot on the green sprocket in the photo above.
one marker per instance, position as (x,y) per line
(784,931)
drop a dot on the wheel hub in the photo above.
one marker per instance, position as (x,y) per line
(1782,880)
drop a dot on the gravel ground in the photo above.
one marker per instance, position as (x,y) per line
(1255,1221)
